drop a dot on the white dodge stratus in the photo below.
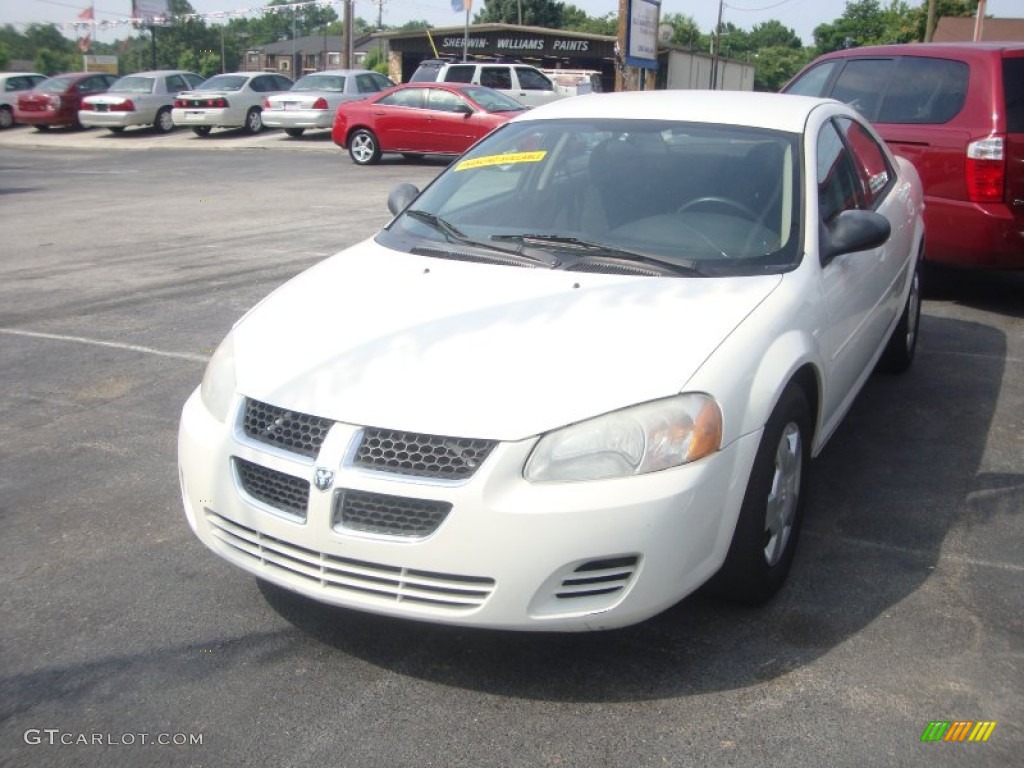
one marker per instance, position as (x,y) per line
(581,374)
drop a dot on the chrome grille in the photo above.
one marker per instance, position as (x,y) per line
(388,515)
(435,456)
(339,575)
(598,577)
(291,430)
(277,489)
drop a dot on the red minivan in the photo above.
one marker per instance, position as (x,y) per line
(956,111)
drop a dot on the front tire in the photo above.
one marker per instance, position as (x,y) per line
(899,352)
(768,527)
(254,121)
(164,122)
(363,148)
(295,132)
(202,130)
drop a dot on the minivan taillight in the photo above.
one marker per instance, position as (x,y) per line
(986,170)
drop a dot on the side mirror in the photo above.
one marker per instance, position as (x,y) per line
(463,109)
(853,231)
(401,196)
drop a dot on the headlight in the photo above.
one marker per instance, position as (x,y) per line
(218,385)
(633,441)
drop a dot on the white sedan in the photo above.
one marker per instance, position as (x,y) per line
(232,100)
(313,100)
(581,374)
(145,98)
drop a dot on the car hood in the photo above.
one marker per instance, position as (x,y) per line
(377,337)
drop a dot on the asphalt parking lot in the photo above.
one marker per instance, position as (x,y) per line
(124,261)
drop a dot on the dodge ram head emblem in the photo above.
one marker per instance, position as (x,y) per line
(323,478)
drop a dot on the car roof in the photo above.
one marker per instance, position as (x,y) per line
(159,73)
(340,72)
(450,86)
(775,111)
(958,50)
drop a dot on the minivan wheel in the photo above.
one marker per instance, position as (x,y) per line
(363,148)
(768,526)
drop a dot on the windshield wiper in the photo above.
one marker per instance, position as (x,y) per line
(452,232)
(592,248)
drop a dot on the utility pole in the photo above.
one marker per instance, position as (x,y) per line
(979,21)
(717,43)
(929,25)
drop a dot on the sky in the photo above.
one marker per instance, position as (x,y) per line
(800,15)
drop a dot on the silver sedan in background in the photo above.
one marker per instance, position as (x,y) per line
(145,98)
(313,100)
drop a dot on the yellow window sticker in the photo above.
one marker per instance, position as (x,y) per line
(508,157)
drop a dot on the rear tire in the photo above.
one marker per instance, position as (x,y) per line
(768,527)
(254,121)
(164,122)
(295,132)
(202,130)
(363,148)
(899,352)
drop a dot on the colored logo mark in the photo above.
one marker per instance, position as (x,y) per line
(958,730)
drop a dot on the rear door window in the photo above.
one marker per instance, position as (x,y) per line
(460,73)
(496,77)
(861,84)
(924,90)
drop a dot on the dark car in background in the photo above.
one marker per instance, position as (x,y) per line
(56,101)
(956,111)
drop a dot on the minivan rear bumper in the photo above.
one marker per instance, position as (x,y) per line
(961,233)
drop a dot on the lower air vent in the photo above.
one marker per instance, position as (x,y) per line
(279,490)
(335,577)
(388,515)
(617,268)
(477,258)
(597,577)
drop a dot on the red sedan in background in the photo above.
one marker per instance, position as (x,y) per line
(56,101)
(420,119)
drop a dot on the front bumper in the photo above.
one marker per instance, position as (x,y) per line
(510,554)
(298,118)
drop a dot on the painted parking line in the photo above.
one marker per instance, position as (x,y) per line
(112,344)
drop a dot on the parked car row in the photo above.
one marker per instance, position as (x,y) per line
(165,99)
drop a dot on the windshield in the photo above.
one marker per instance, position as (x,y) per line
(224,83)
(332,83)
(134,84)
(714,199)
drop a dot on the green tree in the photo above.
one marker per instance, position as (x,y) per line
(772,34)
(50,62)
(918,17)
(536,13)
(866,22)
(776,64)
(576,20)
(4,56)
(685,31)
